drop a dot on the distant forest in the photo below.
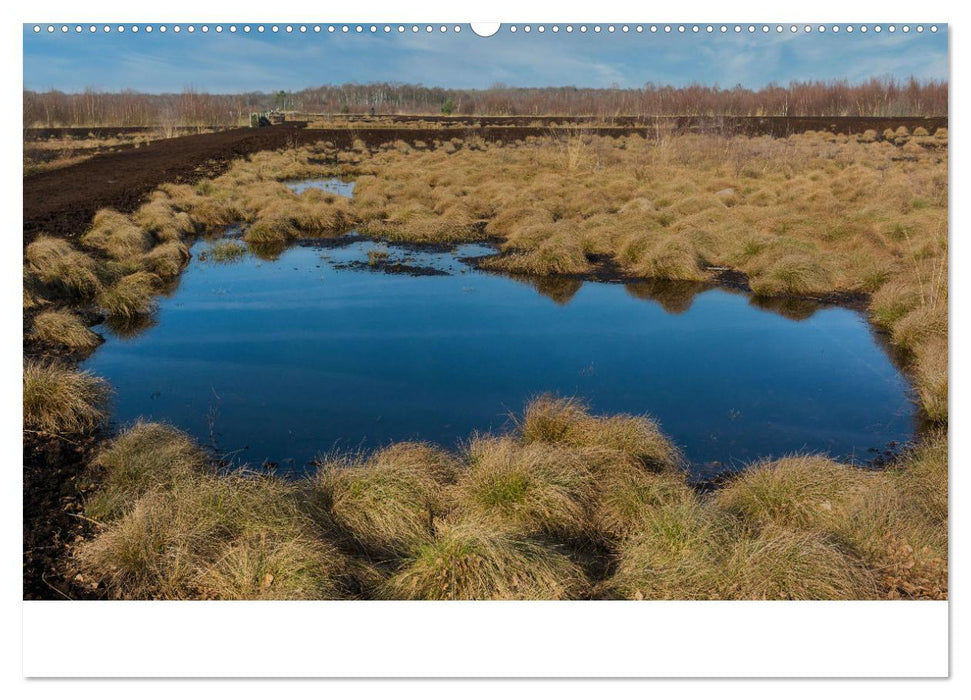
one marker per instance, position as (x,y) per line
(876,97)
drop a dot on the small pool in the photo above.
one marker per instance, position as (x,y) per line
(334,185)
(353,344)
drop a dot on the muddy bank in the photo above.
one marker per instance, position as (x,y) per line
(54,492)
(104,132)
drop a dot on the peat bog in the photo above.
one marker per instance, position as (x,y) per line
(352,344)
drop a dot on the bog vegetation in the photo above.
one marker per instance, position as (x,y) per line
(567,505)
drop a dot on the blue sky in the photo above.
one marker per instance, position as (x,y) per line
(227,62)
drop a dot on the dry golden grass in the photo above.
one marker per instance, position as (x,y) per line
(131,296)
(162,220)
(440,465)
(117,235)
(228,537)
(626,493)
(63,329)
(146,457)
(62,269)
(510,519)
(59,400)
(166,260)
(792,565)
(470,561)
(798,492)
(559,421)
(525,489)
(385,505)
(672,554)
(804,216)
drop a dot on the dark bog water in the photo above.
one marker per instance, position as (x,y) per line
(280,360)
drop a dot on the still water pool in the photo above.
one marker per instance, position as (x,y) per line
(319,349)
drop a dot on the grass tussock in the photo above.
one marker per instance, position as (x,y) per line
(224,252)
(525,489)
(555,256)
(166,260)
(793,275)
(146,457)
(131,296)
(468,561)
(627,493)
(63,329)
(59,400)
(62,269)
(551,511)
(797,492)
(793,565)
(523,515)
(563,421)
(161,219)
(672,554)
(385,505)
(220,537)
(117,235)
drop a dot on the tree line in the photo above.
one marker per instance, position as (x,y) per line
(877,97)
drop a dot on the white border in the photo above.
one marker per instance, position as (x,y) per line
(269,639)
(513,640)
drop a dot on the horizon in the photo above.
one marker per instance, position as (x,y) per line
(708,86)
(234,63)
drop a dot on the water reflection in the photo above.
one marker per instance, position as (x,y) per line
(794,309)
(310,347)
(332,185)
(673,296)
(560,290)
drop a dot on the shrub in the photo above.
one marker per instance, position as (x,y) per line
(63,328)
(59,400)
(470,561)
